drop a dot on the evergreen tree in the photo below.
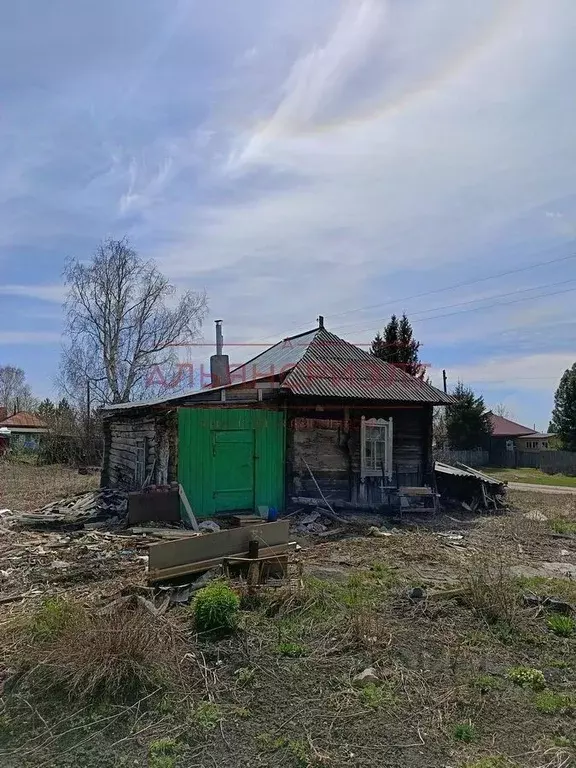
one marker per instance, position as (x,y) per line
(468,423)
(46,409)
(408,348)
(564,414)
(398,346)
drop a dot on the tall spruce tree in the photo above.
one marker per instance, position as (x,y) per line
(468,422)
(564,414)
(397,346)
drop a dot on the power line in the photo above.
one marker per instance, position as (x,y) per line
(443,288)
(475,301)
(487,306)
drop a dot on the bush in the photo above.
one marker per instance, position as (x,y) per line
(162,753)
(216,607)
(564,626)
(491,592)
(527,677)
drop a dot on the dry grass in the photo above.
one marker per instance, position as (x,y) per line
(117,655)
(25,487)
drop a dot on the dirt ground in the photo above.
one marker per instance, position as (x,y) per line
(25,487)
(281,690)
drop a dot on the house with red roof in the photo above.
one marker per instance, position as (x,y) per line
(509,436)
(22,429)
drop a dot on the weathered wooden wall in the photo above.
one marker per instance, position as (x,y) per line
(330,443)
(122,437)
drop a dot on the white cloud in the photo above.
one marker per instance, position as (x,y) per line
(55,293)
(28,337)
(539,372)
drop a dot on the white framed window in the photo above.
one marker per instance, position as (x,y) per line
(376,447)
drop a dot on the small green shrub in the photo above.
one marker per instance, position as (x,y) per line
(377,696)
(216,608)
(464,732)
(207,715)
(550,703)
(526,677)
(297,750)
(292,650)
(162,753)
(564,626)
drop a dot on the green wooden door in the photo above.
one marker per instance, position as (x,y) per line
(234,470)
(231,459)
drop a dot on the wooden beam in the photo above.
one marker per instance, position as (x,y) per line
(163,574)
(188,509)
(190,550)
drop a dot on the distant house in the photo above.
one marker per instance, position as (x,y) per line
(311,415)
(24,428)
(509,436)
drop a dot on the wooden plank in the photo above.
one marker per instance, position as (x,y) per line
(163,574)
(188,509)
(163,533)
(234,541)
(243,520)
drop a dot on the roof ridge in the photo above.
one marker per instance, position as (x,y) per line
(272,346)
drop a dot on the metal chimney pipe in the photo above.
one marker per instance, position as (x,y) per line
(219,337)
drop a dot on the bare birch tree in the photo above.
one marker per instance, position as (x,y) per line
(123,317)
(15,393)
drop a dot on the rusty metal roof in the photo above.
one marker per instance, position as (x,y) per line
(502,427)
(332,367)
(24,419)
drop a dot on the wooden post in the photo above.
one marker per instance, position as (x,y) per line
(188,509)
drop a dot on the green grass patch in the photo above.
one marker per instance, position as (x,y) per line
(563,626)
(550,703)
(377,696)
(486,683)
(207,715)
(529,475)
(292,650)
(464,732)
(563,526)
(295,750)
(549,587)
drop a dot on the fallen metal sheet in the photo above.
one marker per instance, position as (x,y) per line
(461,470)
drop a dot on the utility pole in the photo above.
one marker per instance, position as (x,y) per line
(445,381)
(88,410)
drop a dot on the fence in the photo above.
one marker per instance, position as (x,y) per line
(551,462)
(474,458)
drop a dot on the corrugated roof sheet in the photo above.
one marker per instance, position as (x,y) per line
(463,471)
(24,419)
(332,367)
(502,427)
(276,360)
(321,364)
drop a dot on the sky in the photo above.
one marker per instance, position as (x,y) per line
(349,158)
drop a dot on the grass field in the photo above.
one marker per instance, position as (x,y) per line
(528,475)
(25,487)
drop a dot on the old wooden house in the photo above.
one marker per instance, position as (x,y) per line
(312,412)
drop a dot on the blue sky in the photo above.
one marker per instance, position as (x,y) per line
(344,158)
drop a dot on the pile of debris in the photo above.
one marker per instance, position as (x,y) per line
(465,487)
(97,509)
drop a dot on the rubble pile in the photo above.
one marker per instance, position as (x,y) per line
(97,509)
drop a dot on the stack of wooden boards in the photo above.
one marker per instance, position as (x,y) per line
(198,553)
